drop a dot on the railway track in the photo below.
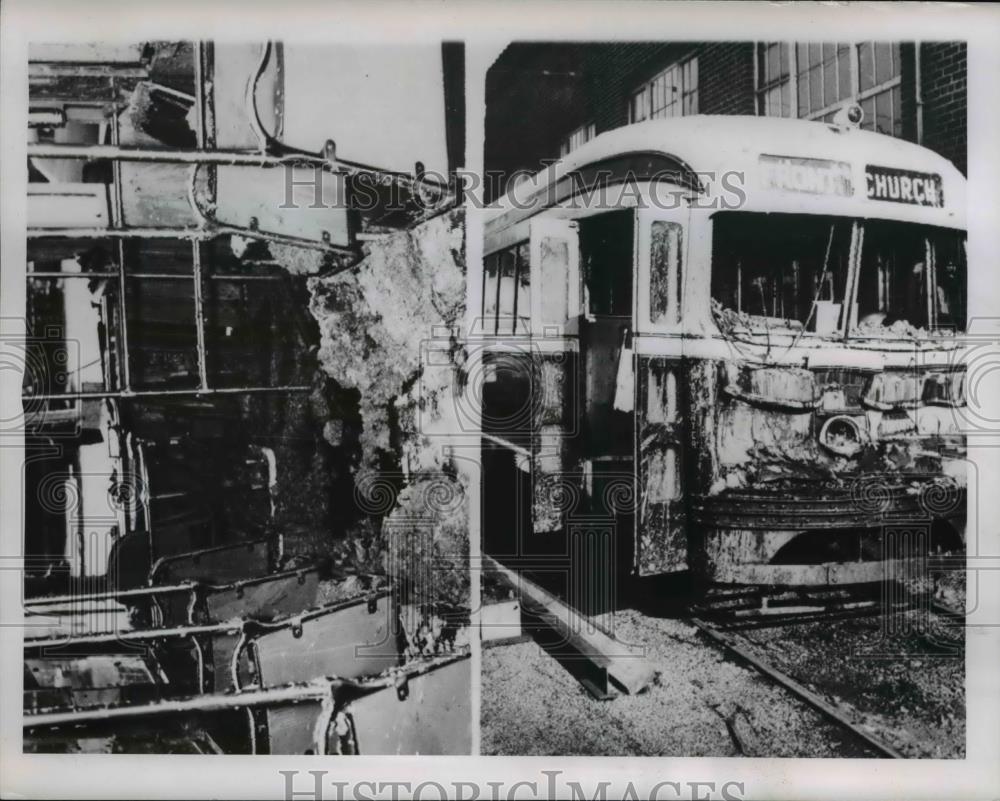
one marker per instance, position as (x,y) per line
(755,608)
(723,616)
(801,692)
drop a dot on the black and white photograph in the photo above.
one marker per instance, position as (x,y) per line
(242,535)
(727,290)
(499,401)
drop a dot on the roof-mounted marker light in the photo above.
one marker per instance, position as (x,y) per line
(849,116)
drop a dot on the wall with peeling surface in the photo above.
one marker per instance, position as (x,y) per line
(377,324)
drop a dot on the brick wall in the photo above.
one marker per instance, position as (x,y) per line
(542,92)
(725,76)
(943,69)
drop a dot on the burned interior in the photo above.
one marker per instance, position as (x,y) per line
(234,542)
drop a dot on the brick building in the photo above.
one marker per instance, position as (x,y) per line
(543,100)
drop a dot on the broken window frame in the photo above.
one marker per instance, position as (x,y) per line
(847,326)
(494,319)
(931,290)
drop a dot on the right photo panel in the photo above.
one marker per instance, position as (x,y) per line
(724,474)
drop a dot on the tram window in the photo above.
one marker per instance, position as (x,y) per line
(508,287)
(606,250)
(522,301)
(773,269)
(490,286)
(507,291)
(896,288)
(665,272)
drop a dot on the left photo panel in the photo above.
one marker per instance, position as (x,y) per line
(246,528)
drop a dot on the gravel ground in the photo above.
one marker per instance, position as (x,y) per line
(704,703)
(902,678)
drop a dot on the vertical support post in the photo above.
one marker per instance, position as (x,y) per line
(199,132)
(199,95)
(199,314)
(117,217)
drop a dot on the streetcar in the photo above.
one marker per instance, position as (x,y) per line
(728,348)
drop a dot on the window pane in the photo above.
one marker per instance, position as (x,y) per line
(664,269)
(844,73)
(803,94)
(815,55)
(770,266)
(883,112)
(883,62)
(507,290)
(868,107)
(640,104)
(772,102)
(866,66)
(490,292)
(523,289)
(829,82)
(772,66)
(815,90)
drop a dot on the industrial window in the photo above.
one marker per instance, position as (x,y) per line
(775,84)
(507,291)
(580,136)
(671,93)
(813,80)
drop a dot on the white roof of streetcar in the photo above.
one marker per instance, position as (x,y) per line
(719,144)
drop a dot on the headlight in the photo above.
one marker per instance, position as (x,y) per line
(842,435)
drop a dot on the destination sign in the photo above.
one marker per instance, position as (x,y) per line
(813,176)
(904,186)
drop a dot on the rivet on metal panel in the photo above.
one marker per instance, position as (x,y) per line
(297,630)
(402,686)
(326,237)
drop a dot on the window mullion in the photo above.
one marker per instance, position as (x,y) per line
(793,78)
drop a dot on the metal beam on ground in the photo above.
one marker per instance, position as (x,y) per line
(625,667)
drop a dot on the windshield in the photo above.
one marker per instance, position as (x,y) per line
(794,271)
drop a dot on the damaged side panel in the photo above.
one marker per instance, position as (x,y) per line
(661,545)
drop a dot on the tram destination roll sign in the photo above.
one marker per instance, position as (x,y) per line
(904,186)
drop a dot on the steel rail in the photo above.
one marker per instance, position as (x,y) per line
(795,688)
